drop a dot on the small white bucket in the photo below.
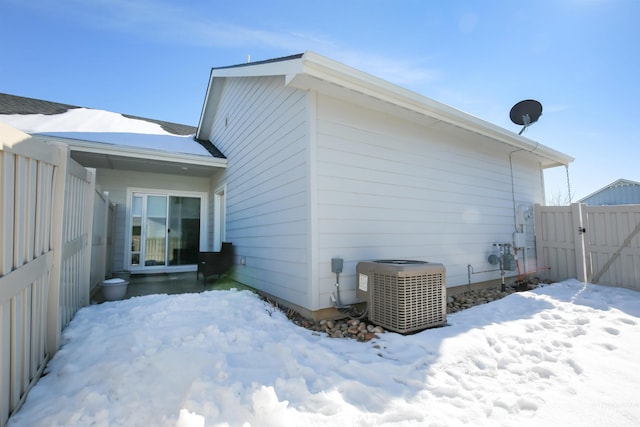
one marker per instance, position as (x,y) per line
(125,275)
(114,289)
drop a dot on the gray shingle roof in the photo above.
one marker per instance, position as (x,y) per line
(12,104)
(266,61)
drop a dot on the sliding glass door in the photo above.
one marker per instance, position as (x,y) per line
(165,230)
(184,230)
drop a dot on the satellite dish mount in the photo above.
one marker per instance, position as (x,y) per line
(525,113)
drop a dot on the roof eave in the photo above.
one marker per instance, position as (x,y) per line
(298,68)
(137,153)
(326,69)
(199,131)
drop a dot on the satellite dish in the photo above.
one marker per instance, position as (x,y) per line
(525,113)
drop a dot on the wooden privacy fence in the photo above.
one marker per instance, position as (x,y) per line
(595,244)
(45,250)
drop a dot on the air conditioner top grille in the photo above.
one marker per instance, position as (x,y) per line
(402,267)
(400,261)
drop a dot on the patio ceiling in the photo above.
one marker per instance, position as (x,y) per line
(116,157)
(146,164)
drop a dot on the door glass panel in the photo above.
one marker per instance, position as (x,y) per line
(184,230)
(165,230)
(136,229)
(156,231)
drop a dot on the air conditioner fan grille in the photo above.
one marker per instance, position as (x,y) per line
(405,303)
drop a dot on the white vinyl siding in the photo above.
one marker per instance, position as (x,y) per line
(261,127)
(617,194)
(389,188)
(310,177)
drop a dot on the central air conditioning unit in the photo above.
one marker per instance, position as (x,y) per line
(403,295)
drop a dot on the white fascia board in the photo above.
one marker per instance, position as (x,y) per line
(139,153)
(311,64)
(274,68)
(326,69)
(210,103)
(205,105)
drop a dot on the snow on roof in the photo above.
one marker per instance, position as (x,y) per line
(170,143)
(82,120)
(104,127)
(99,127)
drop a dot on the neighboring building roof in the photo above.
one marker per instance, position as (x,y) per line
(312,71)
(99,138)
(619,192)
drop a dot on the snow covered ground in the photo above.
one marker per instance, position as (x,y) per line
(564,355)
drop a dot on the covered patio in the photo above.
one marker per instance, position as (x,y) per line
(171,284)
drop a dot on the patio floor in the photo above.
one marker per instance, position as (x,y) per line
(171,283)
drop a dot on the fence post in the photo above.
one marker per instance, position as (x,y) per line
(88,228)
(7,177)
(541,263)
(57,241)
(580,250)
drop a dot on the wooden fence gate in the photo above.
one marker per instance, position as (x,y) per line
(595,244)
(45,253)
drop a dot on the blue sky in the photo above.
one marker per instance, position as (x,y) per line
(152,58)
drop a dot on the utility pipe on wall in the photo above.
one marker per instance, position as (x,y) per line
(470,272)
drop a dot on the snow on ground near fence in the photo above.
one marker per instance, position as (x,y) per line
(565,354)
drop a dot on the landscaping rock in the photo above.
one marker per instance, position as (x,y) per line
(361,330)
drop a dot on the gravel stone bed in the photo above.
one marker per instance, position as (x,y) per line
(362,330)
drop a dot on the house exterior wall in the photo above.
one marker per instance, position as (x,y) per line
(211,218)
(622,194)
(116,182)
(261,126)
(311,177)
(389,188)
